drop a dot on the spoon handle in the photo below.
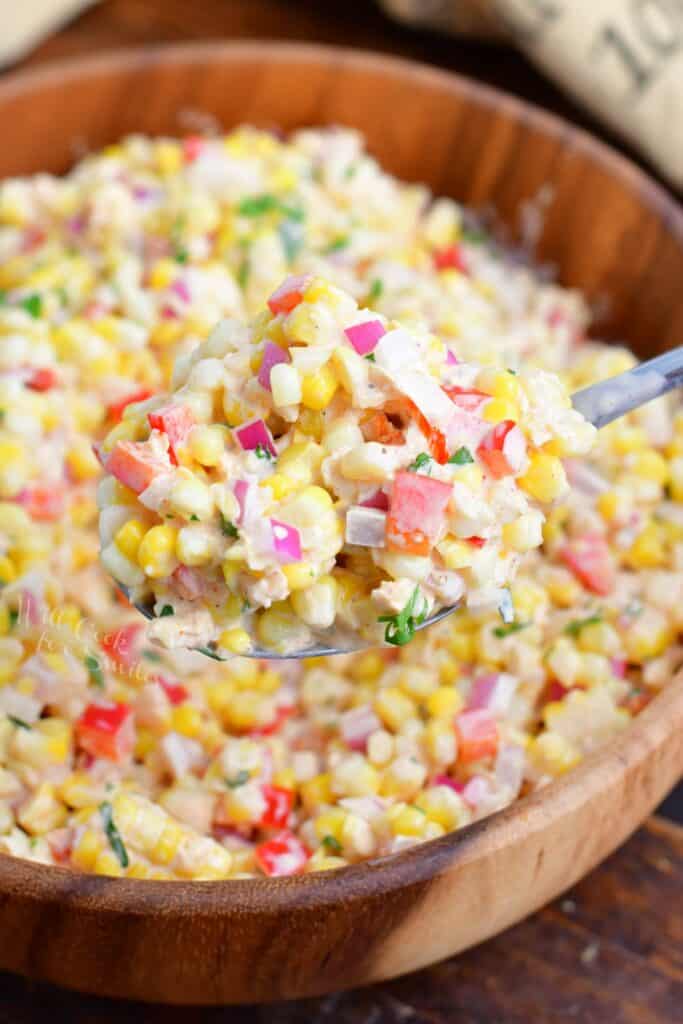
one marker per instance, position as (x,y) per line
(601,403)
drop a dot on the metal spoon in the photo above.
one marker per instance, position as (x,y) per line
(599,404)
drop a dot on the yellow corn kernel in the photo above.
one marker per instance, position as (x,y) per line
(247,710)
(310,424)
(498,409)
(145,741)
(42,812)
(523,534)
(299,575)
(8,572)
(499,384)
(444,702)
(528,598)
(650,465)
(608,505)
(461,646)
(86,850)
(563,590)
(186,719)
(190,497)
(443,806)
(456,554)
(156,554)
(280,485)
(599,638)
(82,462)
(406,821)
(128,538)
(166,333)
(647,550)
(139,870)
(367,667)
(316,791)
(162,273)
(107,863)
(545,479)
(318,389)
(330,823)
(126,430)
(167,844)
(627,439)
(219,696)
(206,444)
(169,158)
(552,754)
(649,640)
(194,546)
(676,484)
(56,733)
(236,640)
(276,625)
(394,708)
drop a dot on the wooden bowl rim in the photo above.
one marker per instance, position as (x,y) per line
(44,883)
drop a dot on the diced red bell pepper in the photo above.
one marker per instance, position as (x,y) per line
(135,464)
(193,146)
(33,237)
(378,427)
(42,379)
(282,855)
(468,399)
(290,293)
(416,512)
(637,700)
(555,691)
(44,504)
(451,257)
(279,803)
(436,441)
(591,561)
(121,647)
(175,692)
(503,449)
(116,410)
(477,735)
(107,730)
(176,421)
(476,542)
(282,713)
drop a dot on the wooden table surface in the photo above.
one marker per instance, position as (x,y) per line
(610,951)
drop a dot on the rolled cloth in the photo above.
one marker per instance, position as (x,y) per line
(623,59)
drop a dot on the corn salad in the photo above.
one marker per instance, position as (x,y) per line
(425,488)
(120,757)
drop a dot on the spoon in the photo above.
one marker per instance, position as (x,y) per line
(599,404)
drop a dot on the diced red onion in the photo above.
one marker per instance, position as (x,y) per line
(510,764)
(493,691)
(586,479)
(253,434)
(365,336)
(272,355)
(365,527)
(446,780)
(378,500)
(357,725)
(182,290)
(286,541)
(619,666)
(478,791)
(451,359)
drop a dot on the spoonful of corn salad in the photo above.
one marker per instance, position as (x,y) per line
(323,479)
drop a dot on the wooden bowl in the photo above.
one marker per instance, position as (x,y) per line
(611,232)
